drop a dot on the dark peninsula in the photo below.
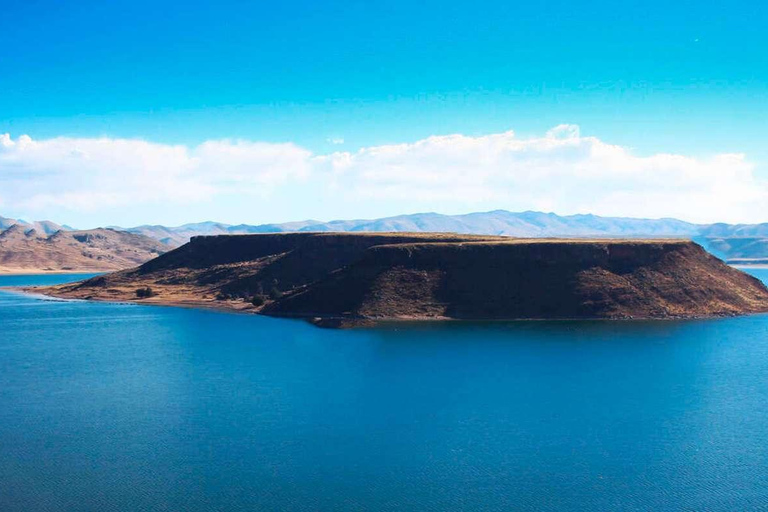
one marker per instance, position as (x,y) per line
(347,278)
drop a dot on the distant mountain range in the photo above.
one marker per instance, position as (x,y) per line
(499,222)
(737,243)
(44,226)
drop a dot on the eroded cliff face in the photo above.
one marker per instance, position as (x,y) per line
(532,279)
(419,276)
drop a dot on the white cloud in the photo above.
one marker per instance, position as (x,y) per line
(91,174)
(562,171)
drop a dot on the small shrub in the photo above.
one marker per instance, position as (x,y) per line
(257,300)
(143,293)
(275,294)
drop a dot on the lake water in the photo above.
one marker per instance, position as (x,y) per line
(107,407)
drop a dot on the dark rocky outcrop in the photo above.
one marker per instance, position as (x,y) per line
(340,277)
(549,279)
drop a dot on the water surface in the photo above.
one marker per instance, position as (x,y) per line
(125,407)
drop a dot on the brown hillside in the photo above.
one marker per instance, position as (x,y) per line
(404,275)
(531,279)
(87,251)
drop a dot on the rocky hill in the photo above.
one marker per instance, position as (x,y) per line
(339,277)
(95,250)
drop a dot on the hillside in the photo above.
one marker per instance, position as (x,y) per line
(353,277)
(28,250)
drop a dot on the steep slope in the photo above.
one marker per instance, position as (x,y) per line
(92,250)
(346,276)
(531,279)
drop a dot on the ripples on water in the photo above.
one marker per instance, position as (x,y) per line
(121,407)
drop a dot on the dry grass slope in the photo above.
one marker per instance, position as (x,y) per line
(95,250)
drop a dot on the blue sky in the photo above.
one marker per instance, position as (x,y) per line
(684,78)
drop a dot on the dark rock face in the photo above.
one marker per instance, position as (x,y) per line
(334,278)
(244,265)
(532,280)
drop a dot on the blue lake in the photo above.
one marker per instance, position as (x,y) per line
(124,407)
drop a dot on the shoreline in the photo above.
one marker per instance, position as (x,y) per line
(334,322)
(359,280)
(184,303)
(5,271)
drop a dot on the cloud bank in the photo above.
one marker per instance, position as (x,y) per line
(561,171)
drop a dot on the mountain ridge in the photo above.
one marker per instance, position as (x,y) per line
(723,240)
(736,243)
(43,226)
